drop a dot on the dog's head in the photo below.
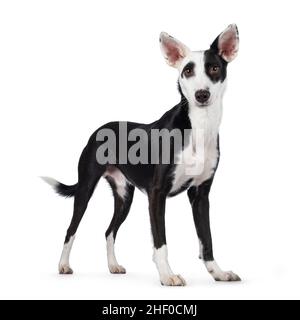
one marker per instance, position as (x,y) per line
(202,74)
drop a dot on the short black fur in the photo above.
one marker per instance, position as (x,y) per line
(213,59)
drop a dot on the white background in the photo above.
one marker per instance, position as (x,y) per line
(67,67)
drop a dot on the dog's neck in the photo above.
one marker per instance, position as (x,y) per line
(207,119)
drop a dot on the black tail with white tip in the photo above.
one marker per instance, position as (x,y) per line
(60,188)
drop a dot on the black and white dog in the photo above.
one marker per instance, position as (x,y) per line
(202,82)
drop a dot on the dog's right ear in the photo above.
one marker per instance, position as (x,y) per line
(172,49)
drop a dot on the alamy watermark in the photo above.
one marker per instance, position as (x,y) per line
(155,146)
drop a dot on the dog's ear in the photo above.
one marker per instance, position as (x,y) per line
(227,43)
(172,49)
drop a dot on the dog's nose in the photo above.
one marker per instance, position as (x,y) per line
(202,95)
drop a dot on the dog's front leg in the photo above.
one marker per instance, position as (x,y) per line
(157,202)
(199,200)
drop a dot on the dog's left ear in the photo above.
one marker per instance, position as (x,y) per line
(227,43)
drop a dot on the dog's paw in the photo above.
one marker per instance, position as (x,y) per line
(173,280)
(226,276)
(65,269)
(116,269)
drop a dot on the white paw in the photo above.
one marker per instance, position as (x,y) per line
(226,276)
(65,269)
(116,269)
(173,280)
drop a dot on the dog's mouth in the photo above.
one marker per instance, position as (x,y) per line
(203,104)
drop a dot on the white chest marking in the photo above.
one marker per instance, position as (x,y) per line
(199,158)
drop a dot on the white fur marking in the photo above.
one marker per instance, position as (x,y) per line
(167,277)
(64,264)
(199,166)
(198,162)
(113,265)
(218,274)
(120,181)
(52,182)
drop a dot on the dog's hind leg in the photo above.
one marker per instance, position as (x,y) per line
(82,197)
(89,176)
(123,194)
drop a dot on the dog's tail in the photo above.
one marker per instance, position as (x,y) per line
(60,188)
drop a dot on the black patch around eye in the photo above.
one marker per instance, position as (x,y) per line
(211,59)
(191,66)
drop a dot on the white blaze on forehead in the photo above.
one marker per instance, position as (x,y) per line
(201,79)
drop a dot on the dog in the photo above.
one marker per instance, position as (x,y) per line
(201,84)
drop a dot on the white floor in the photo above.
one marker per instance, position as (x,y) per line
(30,255)
(143,284)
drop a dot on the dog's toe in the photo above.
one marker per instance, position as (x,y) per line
(65,269)
(117,269)
(173,281)
(226,276)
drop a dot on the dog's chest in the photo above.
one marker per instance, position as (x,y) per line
(197,162)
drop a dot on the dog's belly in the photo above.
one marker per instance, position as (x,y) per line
(193,169)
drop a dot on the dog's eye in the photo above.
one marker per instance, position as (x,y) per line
(188,72)
(214,70)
